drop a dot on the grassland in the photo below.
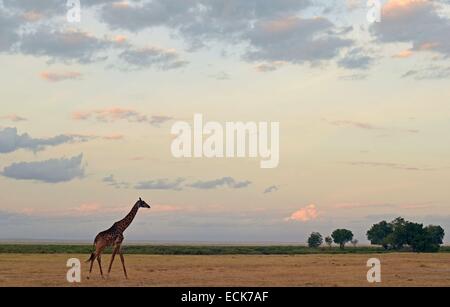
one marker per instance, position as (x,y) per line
(397,269)
(193,249)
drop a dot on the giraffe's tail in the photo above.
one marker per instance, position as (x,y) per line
(92,257)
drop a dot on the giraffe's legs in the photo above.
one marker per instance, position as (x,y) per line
(92,263)
(112,258)
(123,263)
(97,254)
(99,260)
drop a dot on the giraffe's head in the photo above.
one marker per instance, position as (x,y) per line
(142,204)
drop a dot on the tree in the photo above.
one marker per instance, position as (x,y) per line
(342,236)
(378,232)
(315,239)
(354,242)
(328,241)
(400,232)
(427,239)
(436,234)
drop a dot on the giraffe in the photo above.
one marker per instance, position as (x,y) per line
(114,237)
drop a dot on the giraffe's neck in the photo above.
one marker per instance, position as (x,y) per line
(126,221)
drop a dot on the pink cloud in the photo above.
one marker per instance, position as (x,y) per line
(304,214)
(113,137)
(117,113)
(403,54)
(60,76)
(88,208)
(13,118)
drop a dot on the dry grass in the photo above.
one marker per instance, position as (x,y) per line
(398,269)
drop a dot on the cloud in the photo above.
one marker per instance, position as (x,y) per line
(224,181)
(111,181)
(49,171)
(47,7)
(272,188)
(356,58)
(163,59)
(304,214)
(432,72)
(65,45)
(272,29)
(196,19)
(403,54)
(294,40)
(11,141)
(60,76)
(8,30)
(398,166)
(160,184)
(116,113)
(355,124)
(268,67)
(400,19)
(221,75)
(353,77)
(13,118)
(157,120)
(368,126)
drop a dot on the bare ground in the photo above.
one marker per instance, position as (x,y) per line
(398,269)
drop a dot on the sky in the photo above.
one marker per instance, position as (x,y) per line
(87,110)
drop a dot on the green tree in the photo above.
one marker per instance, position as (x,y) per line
(436,234)
(342,236)
(400,232)
(328,241)
(427,239)
(378,232)
(315,239)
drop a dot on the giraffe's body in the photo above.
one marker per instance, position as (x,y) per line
(114,237)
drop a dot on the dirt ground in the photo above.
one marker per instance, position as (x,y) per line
(405,269)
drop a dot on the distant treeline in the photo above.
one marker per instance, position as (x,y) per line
(194,250)
(397,235)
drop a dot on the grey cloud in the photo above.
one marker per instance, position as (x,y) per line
(8,28)
(64,45)
(400,24)
(111,181)
(272,188)
(116,113)
(429,73)
(367,126)
(224,181)
(353,77)
(355,124)
(164,59)
(221,75)
(48,7)
(398,166)
(11,141)
(160,184)
(49,171)
(295,40)
(204,18)
(156,120)
(356,58)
